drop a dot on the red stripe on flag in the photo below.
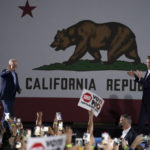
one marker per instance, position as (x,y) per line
(26,108)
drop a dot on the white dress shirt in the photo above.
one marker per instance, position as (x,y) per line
(148,73)
(124,132)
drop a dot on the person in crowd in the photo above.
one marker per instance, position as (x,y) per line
(145,106)
(9,87)
(19,135)
(128,132)
(136,144)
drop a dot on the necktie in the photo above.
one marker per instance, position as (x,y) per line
(147,75)
(14,76)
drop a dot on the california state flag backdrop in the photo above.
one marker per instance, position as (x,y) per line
(65,46)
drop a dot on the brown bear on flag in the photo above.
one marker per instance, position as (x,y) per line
(91,37)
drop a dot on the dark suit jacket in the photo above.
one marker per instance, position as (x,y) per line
(145,82)
(8,88)
(131,135)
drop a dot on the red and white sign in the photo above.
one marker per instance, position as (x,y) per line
(37,146)
(91,101)
(87,97)
(46,143)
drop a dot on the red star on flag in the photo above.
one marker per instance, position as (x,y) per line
(27,9)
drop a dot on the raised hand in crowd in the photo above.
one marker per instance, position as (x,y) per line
(51,131)
(58,125)
(90,127)
(90,123)
(69,145)
(90,144)
(39,119)
(23,143)
(68,132)
(138,140)
(2,129)
(13,137)
(108,145)
(55,125)
(115,146)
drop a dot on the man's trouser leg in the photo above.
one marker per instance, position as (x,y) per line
(8,108)
(142,118)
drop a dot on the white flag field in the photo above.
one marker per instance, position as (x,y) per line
(91,101)
(46,143)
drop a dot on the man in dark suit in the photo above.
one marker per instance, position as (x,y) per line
(128,132)
(9,87)
(145,105)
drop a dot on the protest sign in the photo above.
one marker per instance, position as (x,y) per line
(91,101)
(46,143)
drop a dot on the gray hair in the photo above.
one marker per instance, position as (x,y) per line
(11,60)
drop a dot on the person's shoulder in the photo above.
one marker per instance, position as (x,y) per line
(133,131)
(3,70)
